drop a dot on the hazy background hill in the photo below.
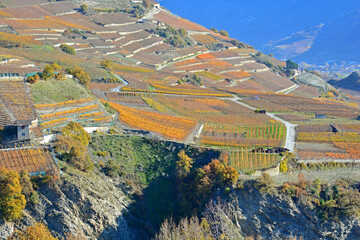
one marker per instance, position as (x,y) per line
(330,29)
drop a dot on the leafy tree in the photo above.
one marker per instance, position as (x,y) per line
(284,166)
(48,72)
(38,231)
(184,164)
(33,79)
(72,144)
(56,66)
(77,132)
(84,8)
(176,37)
(67,49)
(12,201)
(224,33)
(291,65)
(214,30)
(80,74)
(238,43)
(60,77)
(107,63)
(220,173)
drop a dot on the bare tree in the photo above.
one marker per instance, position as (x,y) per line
(187,229)
(224,218)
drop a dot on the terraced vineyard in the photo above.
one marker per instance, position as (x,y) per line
(270,135)
(166,125)
(187,90)
(245,160)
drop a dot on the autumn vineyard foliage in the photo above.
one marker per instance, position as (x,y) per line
(7,38)
(166,125)
(244,160)
(270,135)
(69,112)
(328,137)
(62,104)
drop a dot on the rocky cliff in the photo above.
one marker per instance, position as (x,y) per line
(90,204)
(275,216)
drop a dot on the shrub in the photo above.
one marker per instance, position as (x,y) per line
(111,169)
(107,64)
(184,164)
(33,79)
(284,166)
(38,231)
(67,49)
(190,228)
(102,154)
(72,144)
(26,184)
(76,131)
(214,30)
(60,77)
(80,74)
(265,183)
(34,199)
(224,33)
(291,65)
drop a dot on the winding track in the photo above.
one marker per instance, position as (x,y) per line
(290,128)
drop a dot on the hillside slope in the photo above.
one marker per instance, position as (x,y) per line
(351,82)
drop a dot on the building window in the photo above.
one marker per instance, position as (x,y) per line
(23,134)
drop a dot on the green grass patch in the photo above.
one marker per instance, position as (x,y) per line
(53,91)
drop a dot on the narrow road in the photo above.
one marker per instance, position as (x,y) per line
(118,89)
(150,14)
(290,128)
(287,92)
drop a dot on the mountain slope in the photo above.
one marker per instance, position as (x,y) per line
(351,82)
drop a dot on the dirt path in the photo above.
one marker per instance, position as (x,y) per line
(290,128)
(151,13)
(195,133)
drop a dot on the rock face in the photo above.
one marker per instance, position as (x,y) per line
(278,217)
(88,204)
(313,80)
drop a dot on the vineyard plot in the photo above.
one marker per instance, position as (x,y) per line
(244,160)
(168,126)
(30,159)
(270,135)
